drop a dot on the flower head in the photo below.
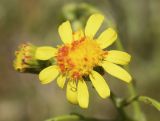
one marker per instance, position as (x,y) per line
(77,58)
(25,58)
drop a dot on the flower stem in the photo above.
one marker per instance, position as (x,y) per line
(137,112)
(121,113)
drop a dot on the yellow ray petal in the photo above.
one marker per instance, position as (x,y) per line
(116,71)
(83,95)
(93,24)
(118,57)
(61,81)
(65,32)
(48,74)
(100,84)
(71,92)
(45,53)
(78,35)
(107,38)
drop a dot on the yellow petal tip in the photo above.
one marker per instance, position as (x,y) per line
(106,95)
(45,53)
(107,38)
(84,107)
(65,32)
(48,74)
(100,84)
(93,24)
(129,80)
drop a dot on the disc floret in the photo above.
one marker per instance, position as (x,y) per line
(79,58)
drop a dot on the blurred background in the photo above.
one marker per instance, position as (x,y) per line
(23,98)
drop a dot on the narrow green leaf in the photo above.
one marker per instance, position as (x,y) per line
(65,118)
(150,101)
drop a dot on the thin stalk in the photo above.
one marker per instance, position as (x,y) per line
(121,113)
(137,112)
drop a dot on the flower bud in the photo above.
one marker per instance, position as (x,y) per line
(25,59)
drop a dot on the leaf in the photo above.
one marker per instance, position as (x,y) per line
(65,118)
(75,117)
(150,101)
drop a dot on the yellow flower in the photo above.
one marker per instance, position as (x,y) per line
(76,58)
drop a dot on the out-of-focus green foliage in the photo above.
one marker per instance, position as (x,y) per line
(24,99)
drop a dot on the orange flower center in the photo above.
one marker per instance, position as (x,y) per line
(78,58)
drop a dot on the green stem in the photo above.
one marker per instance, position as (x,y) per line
(137,112)
(121,113)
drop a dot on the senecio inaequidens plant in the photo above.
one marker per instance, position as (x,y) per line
(77,57)
(75,61)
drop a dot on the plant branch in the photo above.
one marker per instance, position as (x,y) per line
(138,114)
